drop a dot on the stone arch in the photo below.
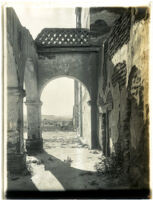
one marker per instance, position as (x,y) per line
(82,66)
(62,76)
(30,80)
(80,62)
(81,110)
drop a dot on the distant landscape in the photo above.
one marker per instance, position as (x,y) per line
(54,123)
(53,118)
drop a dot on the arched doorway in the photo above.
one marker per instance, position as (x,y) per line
(65,108)
(65,155)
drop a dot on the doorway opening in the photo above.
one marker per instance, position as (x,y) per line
(66,134)
(66,112)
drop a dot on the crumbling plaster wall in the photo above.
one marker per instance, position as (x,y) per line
(136,55)
(124,74)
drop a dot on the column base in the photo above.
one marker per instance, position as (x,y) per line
(34,146)
(16,163)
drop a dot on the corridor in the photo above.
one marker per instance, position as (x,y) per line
(77,99)
(65,164)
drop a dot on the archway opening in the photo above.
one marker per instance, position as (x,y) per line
(66,134)
(58,98)
(65,112)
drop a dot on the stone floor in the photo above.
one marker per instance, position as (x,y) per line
(65,164)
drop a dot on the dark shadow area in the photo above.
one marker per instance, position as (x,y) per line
(96,194)
(29,186)
(65,173)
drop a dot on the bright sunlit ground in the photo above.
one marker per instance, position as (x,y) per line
(65,164)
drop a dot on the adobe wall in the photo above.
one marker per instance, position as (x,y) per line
(123,80)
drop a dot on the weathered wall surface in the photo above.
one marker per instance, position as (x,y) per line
(123,80)
(86,117)
(79,111)
(76,106)
(82,66)
(20,46)
(83,114)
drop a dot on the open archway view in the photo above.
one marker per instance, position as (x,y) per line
(83,82)
(66,133)
(66,108)
(58,101)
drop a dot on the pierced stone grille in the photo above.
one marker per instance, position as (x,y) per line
(62,37)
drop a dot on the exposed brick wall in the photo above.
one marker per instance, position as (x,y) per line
(120,33)
(119,74)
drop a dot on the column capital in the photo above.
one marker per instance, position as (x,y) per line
(16,91)
(92,103)
(100,110)
(30,102)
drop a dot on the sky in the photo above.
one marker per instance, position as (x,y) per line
(35,18)
(58,95)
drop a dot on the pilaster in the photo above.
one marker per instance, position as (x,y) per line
(34,143)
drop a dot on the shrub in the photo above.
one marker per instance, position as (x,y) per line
(109,165)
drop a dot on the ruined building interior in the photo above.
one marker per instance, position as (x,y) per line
(107,56)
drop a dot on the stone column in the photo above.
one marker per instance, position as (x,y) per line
(16,161)
(76,102)
(76,83)
(100,129)
(94,134)
(34,143)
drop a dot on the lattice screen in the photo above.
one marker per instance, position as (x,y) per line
(62,37)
